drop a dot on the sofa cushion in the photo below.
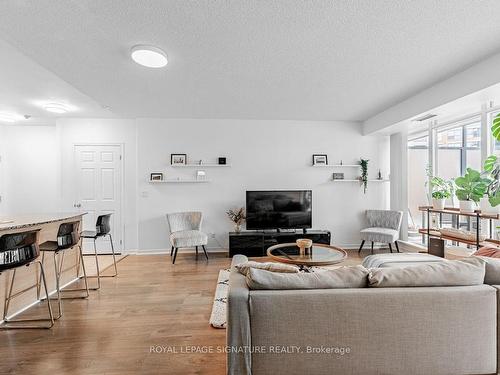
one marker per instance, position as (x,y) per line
(268,266)
(343,277)
(399,260)
(377,234)
(488,251)
(188,238)
(492,276)
(470,271)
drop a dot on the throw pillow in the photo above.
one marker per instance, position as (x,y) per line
(492,276)
(470,271)
(344,277)
(268,266)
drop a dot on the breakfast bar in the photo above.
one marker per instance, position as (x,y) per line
(26,277)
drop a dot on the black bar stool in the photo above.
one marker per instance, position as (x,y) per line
(67,238)
(17,250)
(102,229)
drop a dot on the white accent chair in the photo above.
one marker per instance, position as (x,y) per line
(185,232)
(384,226)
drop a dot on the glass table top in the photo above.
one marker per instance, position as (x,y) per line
(317,255)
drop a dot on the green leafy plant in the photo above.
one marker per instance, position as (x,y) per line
(472,186)
(495,127)
(364,173)
(492,169)
(441,188)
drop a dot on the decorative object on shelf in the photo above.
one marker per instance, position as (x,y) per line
(201,175)
(462,234)
(341,162)
(379,175)
(320,159)
(200,162)
(222,161)
(237,217)
(364,173)
(156,177)
(470,189)
(338,176)
(178,159)
(304,245)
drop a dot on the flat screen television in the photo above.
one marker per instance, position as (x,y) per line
(279,209)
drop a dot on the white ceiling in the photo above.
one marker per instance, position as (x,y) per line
(287,59)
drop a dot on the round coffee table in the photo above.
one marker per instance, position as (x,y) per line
(318,255)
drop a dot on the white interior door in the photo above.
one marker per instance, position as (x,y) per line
(99,191)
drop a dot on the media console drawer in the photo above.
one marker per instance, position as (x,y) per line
(255,244)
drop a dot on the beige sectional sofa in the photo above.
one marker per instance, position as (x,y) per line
(426,330)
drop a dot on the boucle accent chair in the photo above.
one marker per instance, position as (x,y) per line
(384,226)
(185,231)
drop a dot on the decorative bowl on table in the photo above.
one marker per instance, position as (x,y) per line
(303,244)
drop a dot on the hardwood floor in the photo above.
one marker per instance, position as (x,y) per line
(151,303)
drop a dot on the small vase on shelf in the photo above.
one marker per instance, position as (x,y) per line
(237,228)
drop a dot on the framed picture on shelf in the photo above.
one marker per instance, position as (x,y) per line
(320,159)
(338,176)
(156,177)
(178,159)
(222,161)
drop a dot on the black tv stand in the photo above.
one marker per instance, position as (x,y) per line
(256,243)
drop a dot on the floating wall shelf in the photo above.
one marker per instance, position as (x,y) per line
(344,180)
(337,166)
(201,165)
(179,181)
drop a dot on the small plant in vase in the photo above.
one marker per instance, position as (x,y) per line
(363,163)
(470,189)
(441,190)
(237,217)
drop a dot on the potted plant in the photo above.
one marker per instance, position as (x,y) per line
(237,217)
(490,203)
(364,173)
(441,190)
(470,189)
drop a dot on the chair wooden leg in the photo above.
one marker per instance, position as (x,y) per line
(372,247)
(175,255)
(397,246)
(205,251)
(172,251)
(390,247)
(196,252)
(361,247)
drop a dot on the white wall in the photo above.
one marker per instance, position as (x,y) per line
(29,166)
(399,178)
(264,155)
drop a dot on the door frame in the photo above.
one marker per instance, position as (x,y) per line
(122,181)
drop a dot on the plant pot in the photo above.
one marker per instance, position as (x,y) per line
(487,208)
(467,206)
(438,204)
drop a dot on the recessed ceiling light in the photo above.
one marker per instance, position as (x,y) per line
(9,117)
(149,56)
(55,107)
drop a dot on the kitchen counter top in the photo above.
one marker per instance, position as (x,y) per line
(30,220)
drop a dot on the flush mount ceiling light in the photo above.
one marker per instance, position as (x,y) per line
(149,56)
(9,117)
(55,107)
